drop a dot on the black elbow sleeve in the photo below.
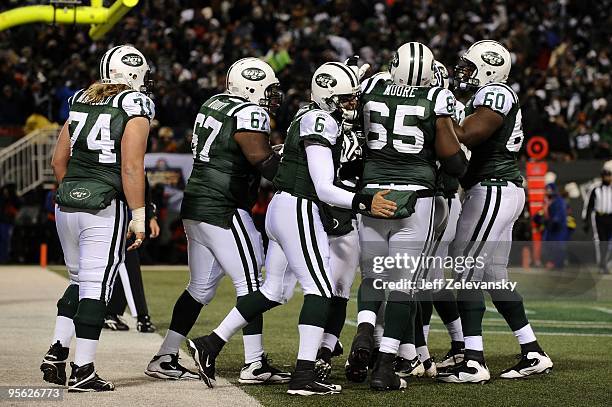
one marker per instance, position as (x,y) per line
(269,166)
(455,165)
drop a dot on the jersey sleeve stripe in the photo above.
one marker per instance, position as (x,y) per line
(122,96)
(372,82)
(118,98)
(431,93)
(239,107)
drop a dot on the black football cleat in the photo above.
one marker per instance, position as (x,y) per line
(356,367)
(383,376)
(304,383)
(54,364)
(204,358)
(115,323)
(85,380)
(145,325)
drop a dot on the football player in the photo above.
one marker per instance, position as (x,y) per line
(231,150)
(99,163)
(298,242)
(492,130)
(443,300)
(408,127)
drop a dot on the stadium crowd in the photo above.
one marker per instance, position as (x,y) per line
(560,54)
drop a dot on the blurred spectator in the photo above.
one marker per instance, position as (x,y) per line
(560,53)
(9,206)
(554,222)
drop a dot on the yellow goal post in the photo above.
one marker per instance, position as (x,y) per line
(101,19)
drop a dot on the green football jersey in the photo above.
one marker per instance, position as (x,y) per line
(96,130)
(399,123)
(496,158)
(222,179)
(309,123)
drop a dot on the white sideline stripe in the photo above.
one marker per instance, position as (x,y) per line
(350,322)
(527,311)
(602,309)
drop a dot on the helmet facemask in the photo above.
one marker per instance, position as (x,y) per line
(465,75)
(273,98)
(148,83)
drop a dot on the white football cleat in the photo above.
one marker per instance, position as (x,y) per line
(469,371)
(168,367)
(430,368)
(531,363)
(261,372)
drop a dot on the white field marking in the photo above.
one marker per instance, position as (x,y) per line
(527,311)
(350,322)
(602,309)
(560,323)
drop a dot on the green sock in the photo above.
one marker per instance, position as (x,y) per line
(471,305)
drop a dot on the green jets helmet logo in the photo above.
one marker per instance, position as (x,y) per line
(492,58)
(325,80)
(253,74)
(132,60)
(80,194)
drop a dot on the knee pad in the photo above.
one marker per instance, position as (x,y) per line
(69,303)
(89,318)
(277,294)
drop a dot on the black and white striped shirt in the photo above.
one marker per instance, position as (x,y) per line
(600,201)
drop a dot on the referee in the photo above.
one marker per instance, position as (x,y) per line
(598,213)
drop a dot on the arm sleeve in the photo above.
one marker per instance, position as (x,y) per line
(253,118)
(496,97)
(321,169)
(136,104)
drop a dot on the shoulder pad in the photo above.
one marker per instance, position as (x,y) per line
(319,124)
(252,117)
(496,96)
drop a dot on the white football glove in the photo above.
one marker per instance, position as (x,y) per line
(352,62)
(278,149)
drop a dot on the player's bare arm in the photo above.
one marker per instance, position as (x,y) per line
(133,148)
(61,154)
(448,148)
(257,150)
(479,126)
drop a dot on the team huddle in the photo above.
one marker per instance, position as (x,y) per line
(371,167)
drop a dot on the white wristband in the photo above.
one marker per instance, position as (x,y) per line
(137,224)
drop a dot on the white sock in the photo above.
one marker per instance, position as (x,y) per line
(455,331)
(423,353)
(389,345)
(64,331)
(329,341)
(474,343)
(426,332)
(253,348)
(378,334)
(171,344)
(525,334)
(85,351)
(310,340)
(366,316)
(407,351)
(233,322)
